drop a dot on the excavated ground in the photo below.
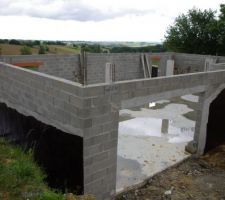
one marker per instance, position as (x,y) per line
(200,179)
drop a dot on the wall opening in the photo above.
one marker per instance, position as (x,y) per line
(155,61)
(153,137)
(216,123)
(58,153)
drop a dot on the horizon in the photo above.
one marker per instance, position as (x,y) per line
(94,41)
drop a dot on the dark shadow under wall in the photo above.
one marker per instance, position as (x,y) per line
(60,154)
(216,123)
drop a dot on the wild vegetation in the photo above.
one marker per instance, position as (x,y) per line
(149,48)
(26,50)
(198,31)
(27,47)
(21,178)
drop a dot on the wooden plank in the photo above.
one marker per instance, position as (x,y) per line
(148,67)
(143,65)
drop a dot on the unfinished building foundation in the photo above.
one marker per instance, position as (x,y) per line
(79,123)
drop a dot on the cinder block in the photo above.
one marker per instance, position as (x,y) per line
(96,139)
(96,158)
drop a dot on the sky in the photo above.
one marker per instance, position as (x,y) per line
(93,20)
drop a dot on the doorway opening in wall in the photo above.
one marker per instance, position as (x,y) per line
(153,137)
(155,60)
(58,153)
(216,123)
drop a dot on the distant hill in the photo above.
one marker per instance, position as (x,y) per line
(115,44)
(13,47)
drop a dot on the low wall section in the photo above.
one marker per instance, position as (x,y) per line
(63,66)
(49,99)
(187,63)
(128,66)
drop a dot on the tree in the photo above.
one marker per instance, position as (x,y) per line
(196,32)
(36,42)
(221,25)
(25,50)
(16,42)
(4,41)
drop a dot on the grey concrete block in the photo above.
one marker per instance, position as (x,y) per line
(96,158)
(93,131)
(96,139)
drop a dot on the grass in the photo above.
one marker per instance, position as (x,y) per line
(57,49)
(22,179)
(10,49)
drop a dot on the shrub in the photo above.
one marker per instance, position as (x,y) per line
(25,50)
(42,49)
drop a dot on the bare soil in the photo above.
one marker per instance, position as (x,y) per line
(196,178)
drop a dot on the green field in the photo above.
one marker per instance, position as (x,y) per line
(11,49)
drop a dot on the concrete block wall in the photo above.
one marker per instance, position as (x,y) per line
(49,99)
(88,112)
(192,62)
(92,111)
(127,66)
(206,98)
(221,59)
(100,142)
(187,63)
(64,66)
(162,63)
(217,66)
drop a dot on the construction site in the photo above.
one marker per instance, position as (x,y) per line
(105,124)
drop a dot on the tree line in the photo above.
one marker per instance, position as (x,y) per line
(30,43)
(149,48)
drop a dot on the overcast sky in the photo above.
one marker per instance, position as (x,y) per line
(96,20)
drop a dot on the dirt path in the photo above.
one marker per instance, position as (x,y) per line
(200,179)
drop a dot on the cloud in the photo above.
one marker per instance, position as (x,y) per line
(98,20)
(80,10)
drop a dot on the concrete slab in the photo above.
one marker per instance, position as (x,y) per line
(191,97)
(143,150)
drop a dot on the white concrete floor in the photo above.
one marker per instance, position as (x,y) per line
(143,150)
